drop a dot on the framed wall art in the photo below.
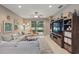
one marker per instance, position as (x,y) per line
(15,27)
(7,27)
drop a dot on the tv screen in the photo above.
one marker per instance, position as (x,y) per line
(57,27)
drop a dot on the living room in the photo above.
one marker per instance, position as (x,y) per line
(30,32)
(17,33)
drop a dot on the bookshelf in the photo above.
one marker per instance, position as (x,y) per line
(69,38)
(71,33)
(67,33)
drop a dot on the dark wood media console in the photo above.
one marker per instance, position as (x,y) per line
(69,39)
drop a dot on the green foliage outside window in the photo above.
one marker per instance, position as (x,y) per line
(37,25)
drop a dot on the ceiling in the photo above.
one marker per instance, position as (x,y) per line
(28,10)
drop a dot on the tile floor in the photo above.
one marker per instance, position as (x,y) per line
(54,47)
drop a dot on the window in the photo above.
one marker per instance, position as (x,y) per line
(37,26)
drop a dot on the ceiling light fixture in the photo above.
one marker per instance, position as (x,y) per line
(19,6)
(50,6)
(35,16)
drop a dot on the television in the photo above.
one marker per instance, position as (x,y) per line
(57,26)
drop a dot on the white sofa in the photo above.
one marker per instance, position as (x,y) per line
(11,37)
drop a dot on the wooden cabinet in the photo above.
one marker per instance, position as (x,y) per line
(71,34)
(69,39)
(57,38)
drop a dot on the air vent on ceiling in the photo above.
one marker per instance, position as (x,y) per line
(60,6)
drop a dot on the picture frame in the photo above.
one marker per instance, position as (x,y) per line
(8,27)
(15,27)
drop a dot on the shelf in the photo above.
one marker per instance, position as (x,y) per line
(68,47)
(67,44)
(56,34)
(67,30)
(68,37)
(67,19)
(67,24)
(60,20)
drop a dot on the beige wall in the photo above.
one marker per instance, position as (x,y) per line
(4,12)
(47,27)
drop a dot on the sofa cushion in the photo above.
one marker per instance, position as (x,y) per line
(7,37)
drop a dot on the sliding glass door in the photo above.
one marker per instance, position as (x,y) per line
(37,26)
